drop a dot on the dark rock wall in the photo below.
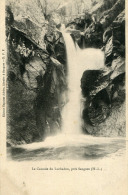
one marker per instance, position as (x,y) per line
(36,82)
(104,112)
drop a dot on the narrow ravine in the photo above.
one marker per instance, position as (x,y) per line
(71,143)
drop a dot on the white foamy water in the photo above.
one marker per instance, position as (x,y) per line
(78,61)
(71,112)
(70,147)
(62,140)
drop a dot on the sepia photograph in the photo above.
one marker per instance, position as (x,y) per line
(65,79)
(64,86)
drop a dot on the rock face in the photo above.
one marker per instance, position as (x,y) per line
(105,89)
(36,78)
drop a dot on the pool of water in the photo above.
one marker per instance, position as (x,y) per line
(62,147)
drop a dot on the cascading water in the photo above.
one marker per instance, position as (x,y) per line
(71,112)
(78,61)
(71,143)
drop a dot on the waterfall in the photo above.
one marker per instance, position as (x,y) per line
(77,61)
(71,112)
(71,143)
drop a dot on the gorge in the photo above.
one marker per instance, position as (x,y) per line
(65,90)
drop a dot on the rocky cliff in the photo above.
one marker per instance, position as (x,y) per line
(36,75)
(105,89)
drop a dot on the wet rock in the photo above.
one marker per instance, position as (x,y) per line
(89,81)
(47,103)
(60,52)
